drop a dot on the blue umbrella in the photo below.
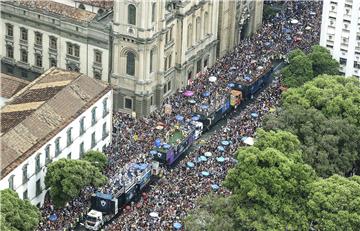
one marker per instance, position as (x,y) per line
(220,159)
(195,118)
(204,106)
(202,158)
(243,138)
(153,152)
(255,115)
(142,166)
(288,38)
(166,146)
(190,164)
(53,217)
(177,225)
(179,117)
(231,85)
(215,187)
(220,148)
(205,173)
(225,142)
(267,44)
(158,142)
(206,94)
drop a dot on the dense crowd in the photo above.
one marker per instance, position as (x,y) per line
(179,188)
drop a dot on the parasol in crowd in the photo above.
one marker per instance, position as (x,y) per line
(188,93)
(153,152)
(159,127)
(191,101)
(154,214)
(157,142)
(190,164)
(225,142)
(208,154)
(231,85)
(179,117)
(195,118)
(220,148)
(202,158)
(204,106)
(249,141)
(212,79)
(53,217)
(177,225)
(205,173)
(206,94)
(220,159)
(215,187)
(166,146)
(254,115)
(308,28)
(294,21)
(243,138)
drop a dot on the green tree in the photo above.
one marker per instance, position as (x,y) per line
(334,203)
(294,53)
(66,178)
(96,158)
(298,71)
(322,61)
(17,214)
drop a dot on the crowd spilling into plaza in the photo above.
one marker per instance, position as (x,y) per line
(179,188)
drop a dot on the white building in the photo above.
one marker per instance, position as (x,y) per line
(340,33)
(61,114)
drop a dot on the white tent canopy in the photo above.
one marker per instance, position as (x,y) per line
(249,141)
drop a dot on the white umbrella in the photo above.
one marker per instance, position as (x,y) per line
(154,214)
(212,79)
(294,21)
(308,28)
(249,141)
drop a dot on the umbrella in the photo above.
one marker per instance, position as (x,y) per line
(212,79)
(195,118)
(153,152)
(215,187)
(312,13)
(177,225)
(191,101)
(188,93)
(158,142)
(202,158)
(208,154)
(267,44)
(206,94)
(205,173)
(204,106)
(225,142)
(308,28)
(190,164)
(142,166)
(288,38)
(166,146)
(179,117)
(53,217)
(220,159)
(255,115)
(154,214)
(243,138)
(294,21)
(231,85)
(220,148)
(159,127)
(249,141)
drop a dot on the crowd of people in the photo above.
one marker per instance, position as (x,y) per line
(176,193)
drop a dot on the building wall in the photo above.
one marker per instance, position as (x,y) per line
(340,33)
(74,149)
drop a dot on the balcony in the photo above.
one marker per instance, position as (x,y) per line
(38,46)
(72,57)
(53,51)
(8,60)
(9,38)
(23,42)
(37,69)
(23,64)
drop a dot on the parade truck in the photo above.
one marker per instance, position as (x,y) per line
(126,186)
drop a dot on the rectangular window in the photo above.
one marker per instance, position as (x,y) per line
(24,34)
(38,60)
(24,174)
(38,38)
(128,103)
(93,140)
(70,49)
(104,131)
(82,126)
(77,51)
(57,146)
(198,66)
(356,64)
(342,61)
(151,60)
(170,59)
(82,150)
(25,195)
(11,182)
(10,30)
(165,64)
(98,57)
(69,138)
(165,89)
(153,12)
(169,85)
(10,51)
(105,108)
(69,156)
(53,62)
(24,56)
(151,100)
(37,164)
(53,42)
(47,154)
(93,116)
(38,187)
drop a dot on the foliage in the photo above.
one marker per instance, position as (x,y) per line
(334,203)
(298,71)
(66,178)
(96,158)
(17,214)
(269,11)
(322,61)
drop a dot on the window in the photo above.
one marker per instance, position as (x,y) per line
(104,131)
(189,36)
(98,56)
(130,63)
(170,59)
(198,66)
(206,23)
(82,126)
(165,89)
(11,182)
(169,85)
(25,195)
(93,116)
(47,154)
(81,6)
(53,62)
(9,51)
(198,29)
(171,32)
(128,103)
(38,60)
(151,60)
(131,14)
(165,63)
(342,61)
(77,51)
(24,74)
(37,163)
(38,38)
(105,107)
(24,56)
(10,30)
(206,62)
(153,12)
(356,64)
(69,138)
(70,49)
(82,150)
(57,146)
(24,174)
(38,187)
(24,34)
(151,100)
(53,42)
(69,156)
(93,140)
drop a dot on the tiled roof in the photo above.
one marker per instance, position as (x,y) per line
(10,85)
(59,9)
(41,110)
(106,4)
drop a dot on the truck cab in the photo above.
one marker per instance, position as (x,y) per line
(94,220)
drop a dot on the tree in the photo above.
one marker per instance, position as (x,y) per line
(298,71)
(66,178)
(329,145)
(334,203)
(322,61)
(96,158)
(294,53)
(17,214)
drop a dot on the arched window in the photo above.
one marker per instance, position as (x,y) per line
(153,12)
(152,60)
(131,14)
(190,34)
(198,29)
(206,23)
(130,63)
(81,6)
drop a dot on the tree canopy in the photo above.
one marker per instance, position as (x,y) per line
(96,158)
(66,178)
(17,214)
(322,61)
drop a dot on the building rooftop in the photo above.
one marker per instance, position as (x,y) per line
(59,9)
(41,110)
(106,4)
(10,85)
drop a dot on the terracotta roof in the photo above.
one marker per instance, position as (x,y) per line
(106,4)
(60,9)
(36,114)
(10,85)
